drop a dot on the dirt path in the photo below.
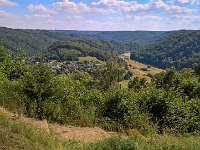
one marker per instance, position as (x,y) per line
(82,134)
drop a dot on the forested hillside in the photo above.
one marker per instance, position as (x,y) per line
(31,41)
(120,36)
(80,47)
(180,49)
(71,50)
(161,49)
(35,42)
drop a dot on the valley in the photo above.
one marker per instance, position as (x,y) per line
(85,92)
(100,75)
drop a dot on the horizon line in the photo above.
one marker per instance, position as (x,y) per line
(101,30)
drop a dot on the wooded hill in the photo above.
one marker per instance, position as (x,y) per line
(160,49)
(180,49)
(37,42)
(120,36)
(31,41)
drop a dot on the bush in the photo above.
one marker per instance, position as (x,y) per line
(137,83)
(144,69)
(128,75)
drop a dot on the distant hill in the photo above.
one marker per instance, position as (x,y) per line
(180,49)
(71,50)
(120,36)
(31,41)
(157,48)
(35,42)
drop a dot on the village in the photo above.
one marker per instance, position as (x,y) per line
(76,66)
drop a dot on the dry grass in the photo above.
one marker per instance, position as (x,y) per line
(16,134)
(136,67)
(81,134)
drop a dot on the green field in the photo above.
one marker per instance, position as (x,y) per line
(89,59)
(136,67)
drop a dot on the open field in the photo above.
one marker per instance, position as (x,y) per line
(141,70)
(89,59)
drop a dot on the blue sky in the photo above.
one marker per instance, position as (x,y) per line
(101,15)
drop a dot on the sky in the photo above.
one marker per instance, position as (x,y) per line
(101,15)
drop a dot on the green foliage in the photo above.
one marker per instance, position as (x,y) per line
(137,83)
(170,104)
(128,75)
(71,50)
(4,56)
(196,68)
(179,49)
(110,74)
(42,93)
(121,36)
(114,107)
(168,79)
(117,144)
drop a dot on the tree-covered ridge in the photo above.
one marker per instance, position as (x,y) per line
(180,49)
(31,41)
(35,42)
(65,50)
(120,36)
(81,47)
(175,48)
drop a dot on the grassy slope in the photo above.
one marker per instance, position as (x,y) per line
(15,134)
(89,59)
(135,67)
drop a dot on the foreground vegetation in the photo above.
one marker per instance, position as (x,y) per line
(168,105)
(19,135)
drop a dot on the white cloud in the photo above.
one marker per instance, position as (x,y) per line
(38,16)
(188,17)
(40,8)
(105,15)
(160,6)
(6,14)
(80,8)
(132,6)
(7,3)
(143,17)
(75,17)
(181,1)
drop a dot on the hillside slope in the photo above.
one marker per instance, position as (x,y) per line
(120,36)
(16,134)
(31,41)
(180,49)
(35,42)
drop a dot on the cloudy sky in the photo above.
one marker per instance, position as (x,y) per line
(115,15)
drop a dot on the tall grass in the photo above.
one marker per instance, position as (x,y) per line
(153,143)
(17,135)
